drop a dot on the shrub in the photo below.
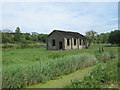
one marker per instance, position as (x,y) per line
(7,46)
(23,46)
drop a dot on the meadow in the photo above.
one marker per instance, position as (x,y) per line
(30,66)
(105,75)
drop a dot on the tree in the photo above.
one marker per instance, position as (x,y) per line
(17,36)
(17,30)
(114,37)
(102,38)
(98,39)
(90,36)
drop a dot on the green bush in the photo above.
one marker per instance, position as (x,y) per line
(7,46)
(23,46)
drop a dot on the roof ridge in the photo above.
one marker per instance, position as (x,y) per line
(66,31)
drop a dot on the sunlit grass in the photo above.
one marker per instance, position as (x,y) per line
(11,56)
(23,67)
(102,76)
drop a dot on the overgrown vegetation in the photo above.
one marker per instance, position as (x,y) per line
(32,66)
(25,38)
(39,71)
(92,37)
(27,62)
(111,37)
(14,56)
(103,76)
(23,46)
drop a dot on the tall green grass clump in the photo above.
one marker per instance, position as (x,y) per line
(102,76)
(104,55)
(22,75)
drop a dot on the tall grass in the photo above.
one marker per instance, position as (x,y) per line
(16,56)
(102,76)
(21,75)
(22,46)
(23,67)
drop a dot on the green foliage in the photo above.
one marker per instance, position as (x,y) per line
(56,55)
(7,46)
(36,52)
(34,72)
(35,37)
(114,37)
(42,37)
(101,77)
(6,38)
(90,36)
(23,67)
(22,46)
(17,30)
(0,38)
(27,37)
(104,56)
(22,38)
(19,37)
(102,38)
(91,33)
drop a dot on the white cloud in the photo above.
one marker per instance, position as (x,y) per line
(107,28)
(44,17)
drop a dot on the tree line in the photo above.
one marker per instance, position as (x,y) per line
(103,38)
(19,37)
(92,37)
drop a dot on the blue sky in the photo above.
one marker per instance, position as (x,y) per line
(43,17)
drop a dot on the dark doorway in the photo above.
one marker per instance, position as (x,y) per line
(60,45)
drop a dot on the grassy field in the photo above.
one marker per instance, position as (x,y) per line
(102,75)
(12,56)
(62,81)
(24,67)
(105,75)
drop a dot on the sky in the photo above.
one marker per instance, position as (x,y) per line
(44,17)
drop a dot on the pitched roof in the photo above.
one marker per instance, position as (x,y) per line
(69,33)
